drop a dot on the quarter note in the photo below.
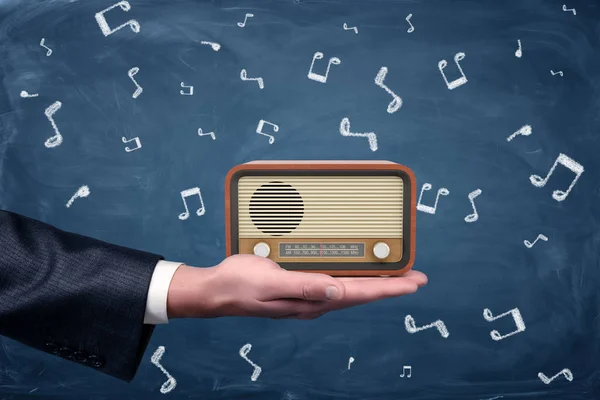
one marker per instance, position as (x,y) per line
(214,46)
(139,89)
(459,81)
(318,77)
(475,216)
(47,48)
(260,126)
(350,361)
(404,370)
(184,195)
(567,162)
(106,30)
(411,327)
(519,51)
(183,93)
(155,359)
(137,143)
(371,136)
(412,28)
(429,209)
(525,130)
(57,139)
(25,94)
(566,372)
(82,192)
(243,353)
(243,24)
(529,245)
(396,103)
(259,80)
(516,314)
(211,134)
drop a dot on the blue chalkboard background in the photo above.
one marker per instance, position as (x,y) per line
(455,139)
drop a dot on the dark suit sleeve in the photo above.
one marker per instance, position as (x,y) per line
(79,298)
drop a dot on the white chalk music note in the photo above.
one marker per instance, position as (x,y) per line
(155,359)
(458,81)
(411,327)
(25,94)
(47,48)
(566,372)
(259,80)
(211,134)
(183,93)
(371,136)
(529,245)
(260,126)
(243,353)
(569,9)
(106,30)
(429,209)
(139,89)
(405,369)
(556,73)
(318,77)
(525,130)
(412,28)
(137,143)
(475,216)
(350,361)
(243,24)
(355,29)
(516,314)
(57,139)
(519,52)
(82,192)
(187,193)
(213,45)
(567,162)
(396,103)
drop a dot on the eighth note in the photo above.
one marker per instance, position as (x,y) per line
(243,24)
(529,245)
(211,134)
(404,369)
(184,195)
(139,89)
(155,359)
(396,103)
(57,139)
(243,353)
(516,314)
(525,130)
(355,29)
(137,143)
(566,372)
(519,52)
(190,93)
(458,81)
(412,28)
(260,126)
(82,192)
(48,48)
(569,9)
(473,217)
(567,162)
(429,209)
(25,94)
(318,77)
(411,327)
(556,73)
(259,80)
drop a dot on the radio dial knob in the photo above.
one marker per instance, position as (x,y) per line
(262,249)
(381,250)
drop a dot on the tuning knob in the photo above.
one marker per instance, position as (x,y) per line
(381,250)
(262,249)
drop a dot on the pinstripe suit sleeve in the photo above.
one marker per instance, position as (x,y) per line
(77,297)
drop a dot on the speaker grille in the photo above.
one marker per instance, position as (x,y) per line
(276,208)
(320,206)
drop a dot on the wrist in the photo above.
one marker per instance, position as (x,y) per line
(189,293)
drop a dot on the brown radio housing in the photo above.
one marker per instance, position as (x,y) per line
(341,218)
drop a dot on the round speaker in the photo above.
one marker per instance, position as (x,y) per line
(276,208)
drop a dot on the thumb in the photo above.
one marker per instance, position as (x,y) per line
(306,286)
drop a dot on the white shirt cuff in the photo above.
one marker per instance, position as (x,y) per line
(156,304)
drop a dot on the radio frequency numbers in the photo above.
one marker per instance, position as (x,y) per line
(321,249)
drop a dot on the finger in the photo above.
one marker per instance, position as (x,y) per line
(301,285)
(416,276)
(366,291)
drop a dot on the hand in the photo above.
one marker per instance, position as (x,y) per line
(248,285)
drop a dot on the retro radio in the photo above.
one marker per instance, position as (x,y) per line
(341,218)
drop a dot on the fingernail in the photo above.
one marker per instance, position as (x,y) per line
(332,293)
